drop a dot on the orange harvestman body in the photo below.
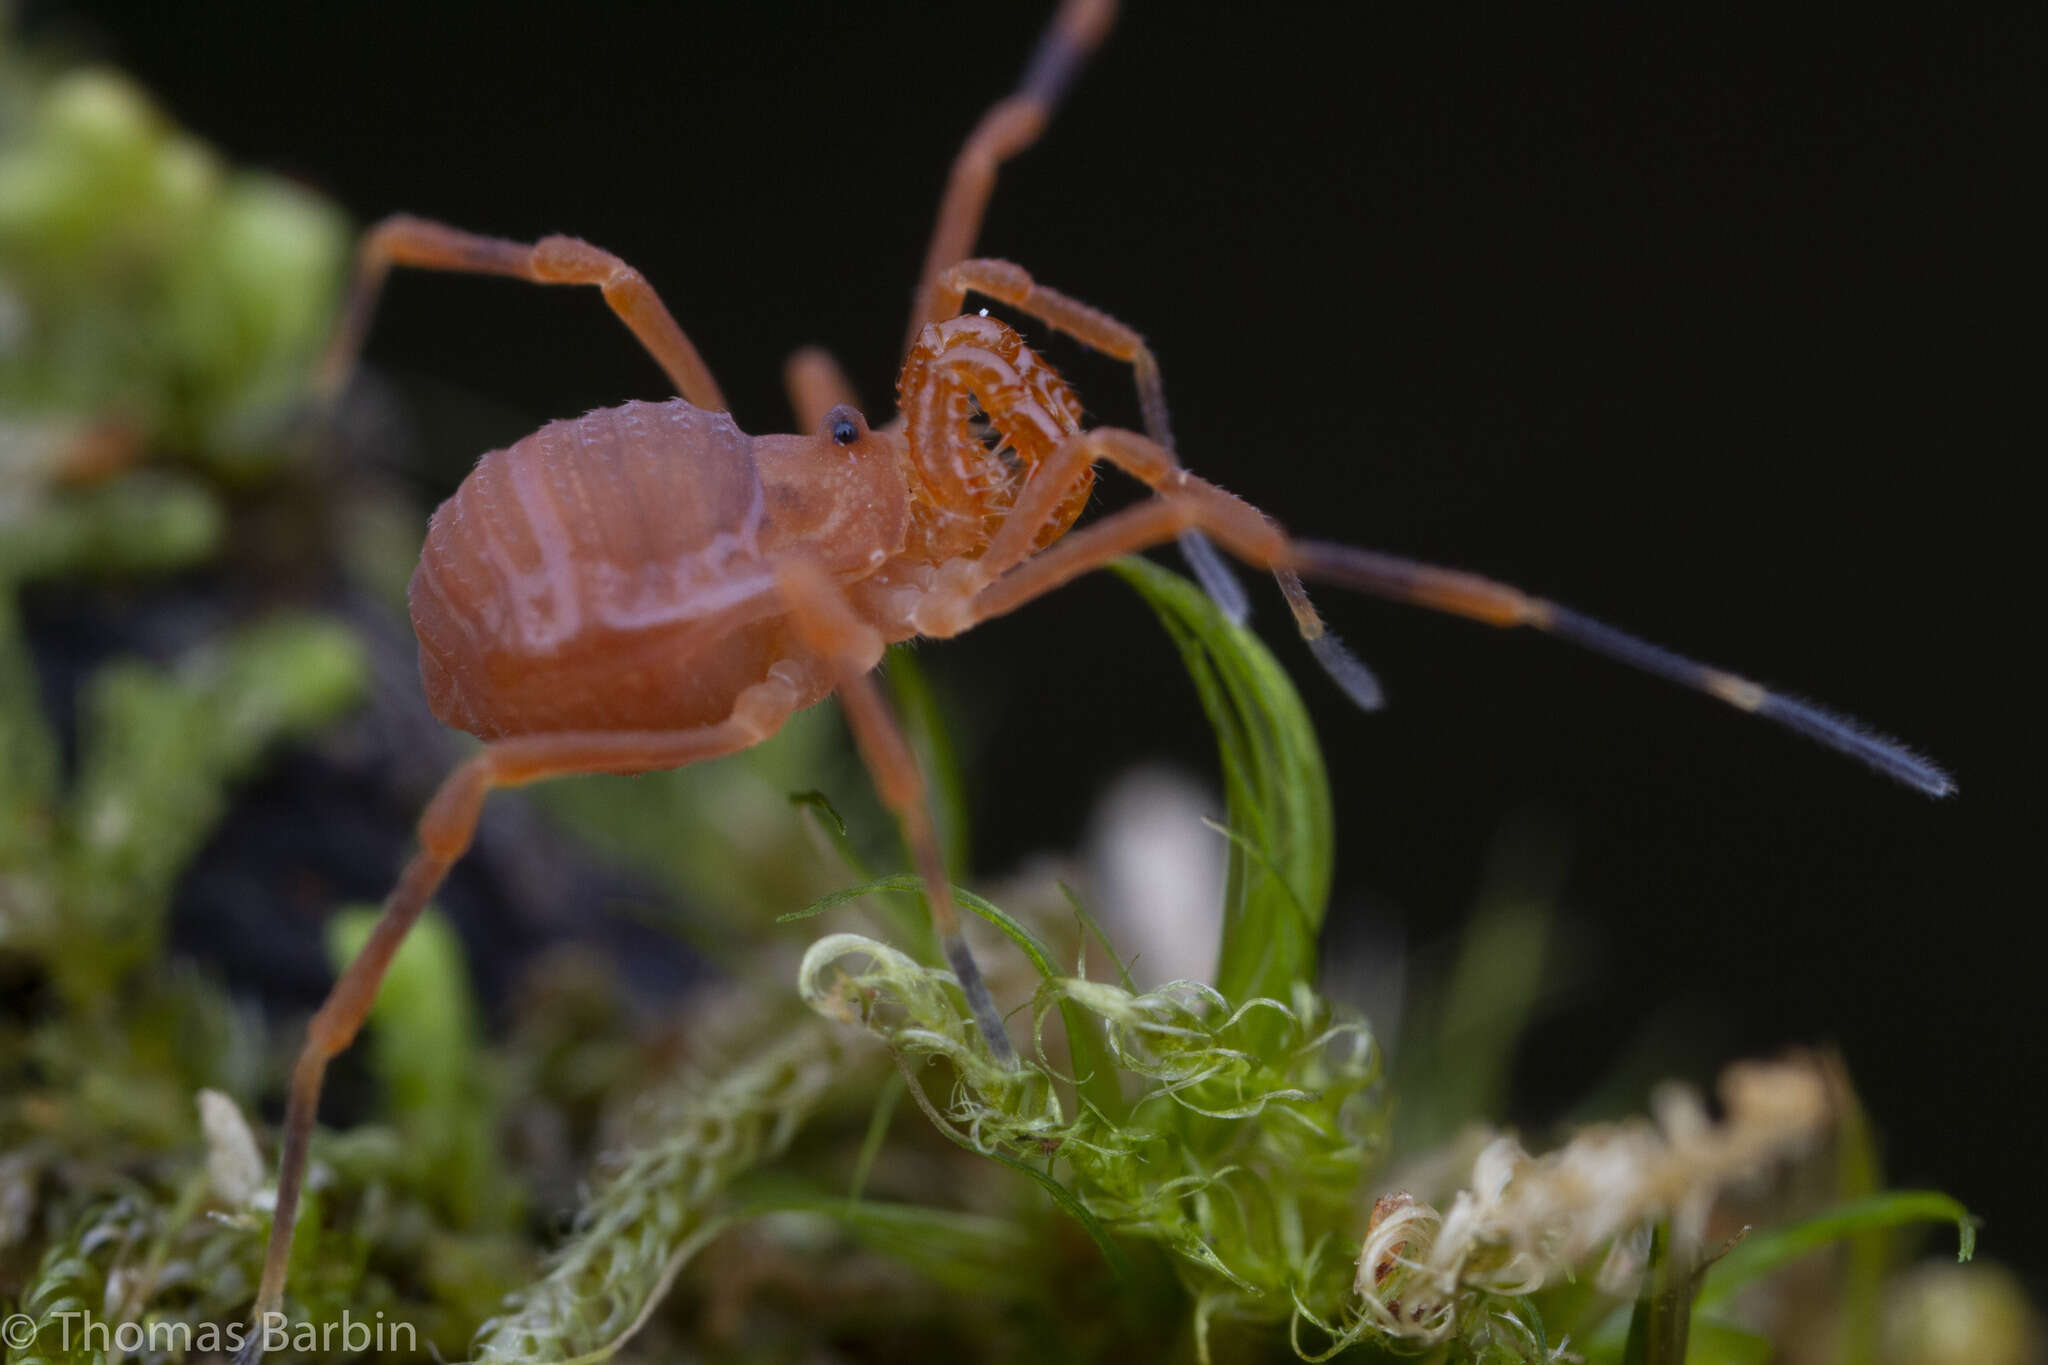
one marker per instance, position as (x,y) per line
(648,586)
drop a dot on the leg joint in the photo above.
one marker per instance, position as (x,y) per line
(571,260)
(450,819)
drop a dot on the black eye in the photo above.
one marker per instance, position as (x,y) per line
(843,424)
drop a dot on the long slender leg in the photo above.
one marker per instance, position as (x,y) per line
(828,624)
(404,240)
(816,385)
(1008,127)
(445,832)
(1186,501)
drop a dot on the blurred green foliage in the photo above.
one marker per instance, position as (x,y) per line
(441,1089)
(146,289)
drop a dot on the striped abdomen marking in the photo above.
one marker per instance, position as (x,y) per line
(575,578)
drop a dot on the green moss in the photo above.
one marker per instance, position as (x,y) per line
(148,288)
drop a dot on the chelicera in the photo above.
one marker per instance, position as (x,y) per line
(648,586)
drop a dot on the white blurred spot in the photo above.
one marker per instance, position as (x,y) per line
(233,1165)
(1157,875)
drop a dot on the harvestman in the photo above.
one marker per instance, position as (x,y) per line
(647,586)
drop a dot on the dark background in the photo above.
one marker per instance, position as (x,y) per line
(1701,328)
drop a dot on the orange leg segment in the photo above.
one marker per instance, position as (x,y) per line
(1186,504)
(445,832)
(1008,127)
(828,624)
(1093,328)
(408,241)
(816,385)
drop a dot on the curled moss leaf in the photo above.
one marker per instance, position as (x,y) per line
(1243,1152)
